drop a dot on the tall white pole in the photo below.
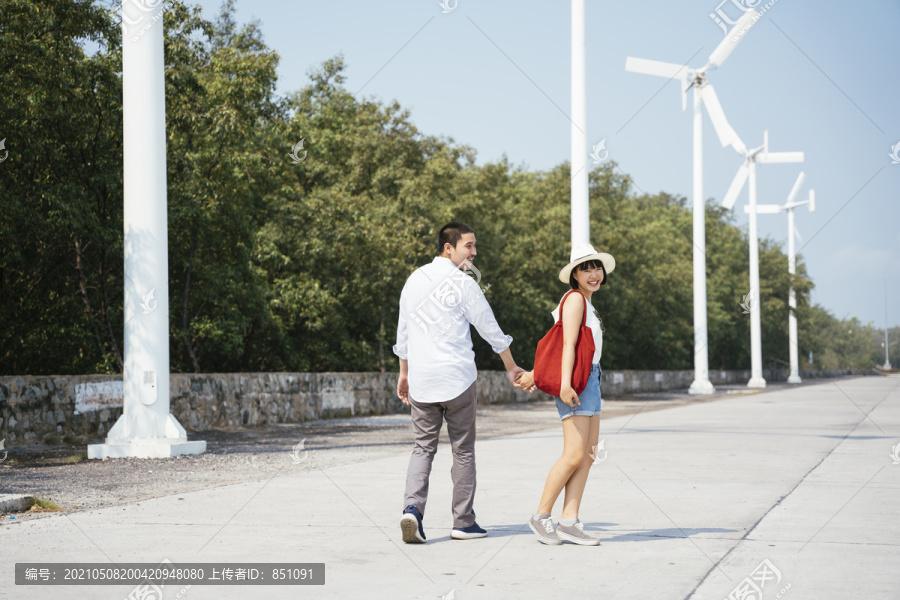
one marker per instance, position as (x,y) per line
(887,343)
(146,429)
(701,383)
(794,377)
(581,224)
(756,375)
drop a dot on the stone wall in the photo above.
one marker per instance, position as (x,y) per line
(79,409)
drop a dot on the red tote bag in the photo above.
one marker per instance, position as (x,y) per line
(548,357)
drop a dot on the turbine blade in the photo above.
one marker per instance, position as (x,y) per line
(764,209)
(797,185)
(655,67)
(737,184)
(812,200)
(779,157)
(737,33)
(716,114)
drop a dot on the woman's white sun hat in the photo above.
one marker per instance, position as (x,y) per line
(583,252)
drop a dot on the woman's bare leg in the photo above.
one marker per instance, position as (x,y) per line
(578,479)
(575,430)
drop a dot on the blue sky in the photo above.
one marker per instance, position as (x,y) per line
(821,76)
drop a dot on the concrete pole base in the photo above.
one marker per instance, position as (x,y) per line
(146,448)
(701,388)
(756,382)
(793,378)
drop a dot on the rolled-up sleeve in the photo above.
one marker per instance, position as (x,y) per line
(401,348)
(479,313)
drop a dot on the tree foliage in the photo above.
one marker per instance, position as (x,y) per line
(284,265)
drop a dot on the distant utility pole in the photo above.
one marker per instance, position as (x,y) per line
(887,344)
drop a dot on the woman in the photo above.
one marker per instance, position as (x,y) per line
(580,414)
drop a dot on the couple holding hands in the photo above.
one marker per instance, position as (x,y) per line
(438,304)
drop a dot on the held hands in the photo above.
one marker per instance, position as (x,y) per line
(525,381)
(513,375)
(568,395)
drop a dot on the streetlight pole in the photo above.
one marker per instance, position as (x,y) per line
(146,428)
(581,218)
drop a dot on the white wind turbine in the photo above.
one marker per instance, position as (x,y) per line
(789,207)
(703,94)
(748,170)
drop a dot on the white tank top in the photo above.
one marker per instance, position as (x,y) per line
(591,321)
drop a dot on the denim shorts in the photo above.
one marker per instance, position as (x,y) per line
(590,403)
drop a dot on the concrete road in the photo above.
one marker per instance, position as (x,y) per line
(791,490)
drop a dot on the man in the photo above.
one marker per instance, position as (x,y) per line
(437,373)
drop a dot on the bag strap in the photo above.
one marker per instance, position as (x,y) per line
(563,301)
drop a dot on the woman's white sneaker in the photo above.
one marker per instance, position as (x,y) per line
(575,534)
(542,526)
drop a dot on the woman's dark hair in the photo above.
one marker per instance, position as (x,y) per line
(451,233)
(588,264)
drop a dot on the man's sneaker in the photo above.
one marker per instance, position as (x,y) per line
(543,528)
(468,533)
(575,534)
(411,526)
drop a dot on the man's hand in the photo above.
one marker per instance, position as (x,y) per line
(513,374)
(403,388)
(526,381)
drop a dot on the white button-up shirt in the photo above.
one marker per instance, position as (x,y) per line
(437,305)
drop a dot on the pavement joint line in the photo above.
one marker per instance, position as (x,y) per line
(90,539)
(715,564)
(841,508)
(866,414)
(390,539)
(487,562)
(239,510)
(778,502)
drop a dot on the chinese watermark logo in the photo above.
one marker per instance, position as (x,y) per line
(596,450)
(751,588)
(895,454)
(448,5)
(149,303)
(749,303)
(597,149)
(136,18)
(151,591)
(895,153)
(723,20)
(295,153)
(6,152)
(295,453)
(448,301)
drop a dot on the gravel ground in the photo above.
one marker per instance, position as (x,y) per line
(62,473)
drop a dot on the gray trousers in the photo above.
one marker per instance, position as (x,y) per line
(427,418)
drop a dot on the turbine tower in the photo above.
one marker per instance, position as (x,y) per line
(789,207)
(703,94)
(748,170)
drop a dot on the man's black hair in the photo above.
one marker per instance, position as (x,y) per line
(589,264)
(451,233)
